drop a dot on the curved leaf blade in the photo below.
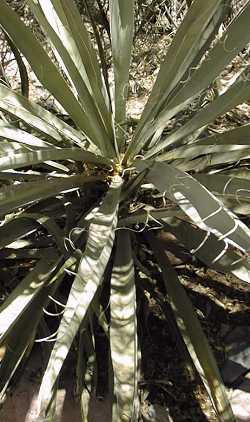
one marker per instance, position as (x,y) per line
(122,30)
(16,346)
(202,207)
(69,38)
(237,139)
(8,131)
(190,39)
(37,117)
(91,269)
(16,229)
(194,337)
(212,252)
(48,74)
(40,156)
(225,49)
(23,294)
(234,192)
(123,332)
(67,33)
(235,95)
(25,193)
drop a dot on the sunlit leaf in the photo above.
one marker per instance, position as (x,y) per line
(212,252)
(122,27)
(238,93)
(237,139)
(91,269)
(8,131)
(34,157)
(200,78)
(123,332)
(49,75)
(16,346)
(25,193)
(26,290)
(202,207)
(85,370)
(199,23)
(37,117)
(209,161)
(69,37)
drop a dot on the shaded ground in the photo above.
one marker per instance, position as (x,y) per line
(222,304)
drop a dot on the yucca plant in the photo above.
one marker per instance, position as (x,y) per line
(67,192)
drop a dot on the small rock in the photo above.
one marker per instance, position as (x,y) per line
(238,353)
(240,401)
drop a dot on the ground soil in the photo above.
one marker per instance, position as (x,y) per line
(222,303)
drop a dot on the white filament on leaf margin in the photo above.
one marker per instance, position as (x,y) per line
(201,244)
(148,217)
(49,338)
(57,301)
(226,185)
(53,314)
(217,258)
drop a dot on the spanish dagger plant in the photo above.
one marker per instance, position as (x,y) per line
(81,180)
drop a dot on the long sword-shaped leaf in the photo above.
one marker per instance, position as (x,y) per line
(122,29)
(48,74)
(194,337)
(7,147)
(195,150)
(237,136)
(37,117)
(69,37)
(88,56)
(231,140)
(207,162)
(16,345)
(8,131)
(202,207)
(23,294)
(24,176)
(226,48)
(235,95)
(192,35)
(149,215)
(123,332)
(234,192)
(59,21)
(90,272)
(189,40)
(212,252)
(20,195)
(85,369)
(35,157)
(206,246)
(16,229)
(225,185)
